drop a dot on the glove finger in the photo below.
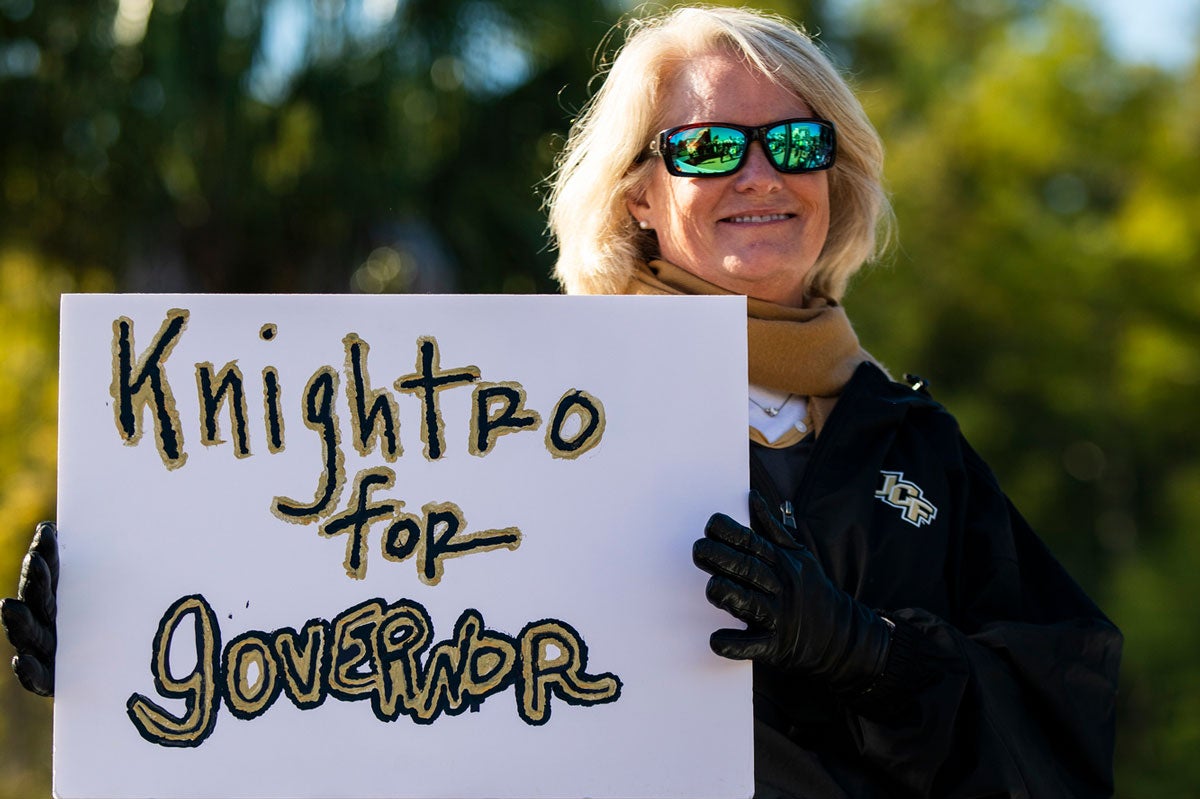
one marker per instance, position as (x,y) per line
(742,603)
(36,588)
(28,636)
(34,675)
(741,644)
(766,525)
(738,536)
(777,534)
(45,543)
(720,560)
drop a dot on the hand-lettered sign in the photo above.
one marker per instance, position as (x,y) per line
(397,547)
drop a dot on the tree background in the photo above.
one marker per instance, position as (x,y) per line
(1043,281)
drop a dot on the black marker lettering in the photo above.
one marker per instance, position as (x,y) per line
(131,394)
(426,382)
(402,537)
(365,423)
(434,537)
(463,671)
(274,415)
(320,417)
(553,658)
(198,689)
(358,516)
(370,651)
(402,637)
(354,647)
(587,409)
(305,666)
(442,541)
(251,675)
(229,382)
(496,409)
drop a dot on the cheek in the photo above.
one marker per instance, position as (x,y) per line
(821,198)
(679,227)
(684,205)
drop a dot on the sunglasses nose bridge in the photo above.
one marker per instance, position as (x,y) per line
(759,135)
(757,166)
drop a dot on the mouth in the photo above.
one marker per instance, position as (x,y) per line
(757,218)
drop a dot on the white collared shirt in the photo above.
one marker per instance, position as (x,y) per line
(792,410)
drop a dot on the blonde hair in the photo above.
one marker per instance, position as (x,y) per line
(599,169)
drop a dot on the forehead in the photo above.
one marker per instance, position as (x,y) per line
(721,88)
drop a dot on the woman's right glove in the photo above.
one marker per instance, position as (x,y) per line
(797,619)
(30,619)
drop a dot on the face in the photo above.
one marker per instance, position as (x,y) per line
(756,232)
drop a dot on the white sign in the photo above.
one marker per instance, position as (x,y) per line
(397,547)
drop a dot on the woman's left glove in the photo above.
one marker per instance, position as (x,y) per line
(30,619)
(796,618)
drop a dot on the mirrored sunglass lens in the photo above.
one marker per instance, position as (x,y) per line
(706,151)
(800,146)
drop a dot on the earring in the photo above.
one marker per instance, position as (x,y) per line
(643,224)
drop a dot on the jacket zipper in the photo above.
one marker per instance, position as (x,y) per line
(789,519)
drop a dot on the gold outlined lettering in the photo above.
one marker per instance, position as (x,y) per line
(229,386)
(273,414)
(579,404)
(251,675)
(365,424)
(463,671)
(426,382)
(355,645)
(496,409)
(553,658)
(320,416)
(131,394)
(357,517)
(370,651)
(402,637)
(434,537)
(198,689)
(305,667)
(577,423)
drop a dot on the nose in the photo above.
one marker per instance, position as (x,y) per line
(757,174)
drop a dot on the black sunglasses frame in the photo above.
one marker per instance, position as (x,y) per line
(662,147)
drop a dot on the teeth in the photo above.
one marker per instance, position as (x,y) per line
(766,218)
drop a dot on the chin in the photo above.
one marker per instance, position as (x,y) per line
(781,272)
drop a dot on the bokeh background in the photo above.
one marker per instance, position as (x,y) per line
(1045,178)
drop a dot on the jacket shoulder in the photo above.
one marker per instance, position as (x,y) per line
(871,382)
(909,408)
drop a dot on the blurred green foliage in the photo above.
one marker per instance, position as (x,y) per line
(1044,281)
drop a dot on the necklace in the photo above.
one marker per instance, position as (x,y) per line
(772,411)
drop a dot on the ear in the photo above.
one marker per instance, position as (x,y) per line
(639,209)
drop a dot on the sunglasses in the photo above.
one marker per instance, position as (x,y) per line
(716,149)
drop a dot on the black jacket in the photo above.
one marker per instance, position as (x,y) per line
(1001,679)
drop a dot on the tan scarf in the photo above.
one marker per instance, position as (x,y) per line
(810,351)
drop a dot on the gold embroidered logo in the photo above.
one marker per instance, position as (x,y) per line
(906,496)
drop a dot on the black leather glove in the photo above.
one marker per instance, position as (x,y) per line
(797,620)
(29,620)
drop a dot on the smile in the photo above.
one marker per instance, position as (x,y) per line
(763,218)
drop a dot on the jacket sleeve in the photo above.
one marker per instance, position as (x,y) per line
(1013,697)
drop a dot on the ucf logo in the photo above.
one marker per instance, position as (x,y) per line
(900,493)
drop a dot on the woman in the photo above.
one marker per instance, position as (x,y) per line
(910,634)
